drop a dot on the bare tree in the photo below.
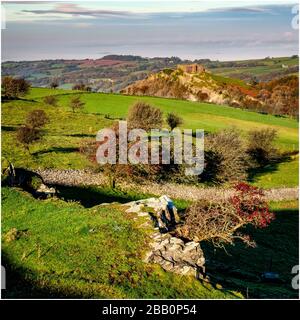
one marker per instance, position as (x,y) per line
(76,104)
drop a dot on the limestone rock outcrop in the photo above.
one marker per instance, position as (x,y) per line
(171,253)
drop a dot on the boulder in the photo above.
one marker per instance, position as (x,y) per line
(175,256)
(162,211)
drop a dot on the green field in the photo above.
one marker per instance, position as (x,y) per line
(267,66)
(66,130)
(71,246)
(61,249)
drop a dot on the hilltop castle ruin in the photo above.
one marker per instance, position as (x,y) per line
(191,68)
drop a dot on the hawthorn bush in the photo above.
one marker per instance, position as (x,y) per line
(26,135)
(54,83)
(51,100)
(143,116)
(32,130)
(136,172)
(37,119)
(261,146)
(225,158)
(220,223)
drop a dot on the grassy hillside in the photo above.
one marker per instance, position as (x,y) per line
(61,249)
(206,116)
(57,249)
(59,148)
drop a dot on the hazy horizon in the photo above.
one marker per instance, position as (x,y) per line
(259,58)
(216,30)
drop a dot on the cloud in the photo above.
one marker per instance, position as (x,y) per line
(76,10)
(242,9)
(27,2)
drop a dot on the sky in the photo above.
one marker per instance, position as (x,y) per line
(217,30)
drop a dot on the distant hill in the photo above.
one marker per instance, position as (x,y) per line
(278,96)
(113,73)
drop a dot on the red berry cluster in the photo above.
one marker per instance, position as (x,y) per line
(250,205)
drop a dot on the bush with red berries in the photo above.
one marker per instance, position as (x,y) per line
(221,222)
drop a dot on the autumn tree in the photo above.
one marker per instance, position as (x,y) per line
(14,87)
(37,119)
(225,157)
(32,130)
(26,135)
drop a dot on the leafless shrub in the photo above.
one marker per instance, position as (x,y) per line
(51,100)
(36,119)
(261,146)
(225,157)
(143,116)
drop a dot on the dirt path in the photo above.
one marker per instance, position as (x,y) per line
(83,177)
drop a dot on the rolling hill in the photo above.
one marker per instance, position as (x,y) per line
(114,72)
(67,130)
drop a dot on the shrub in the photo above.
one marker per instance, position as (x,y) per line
(225,157)
(168,71)
(51,100)
(261,146)
(135,172)
(143,116)
(76,104)
(220,222)
(14,87)
(37,119)
(174,120)
(79,86)
(54,84)
(202,96)
(26,135)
